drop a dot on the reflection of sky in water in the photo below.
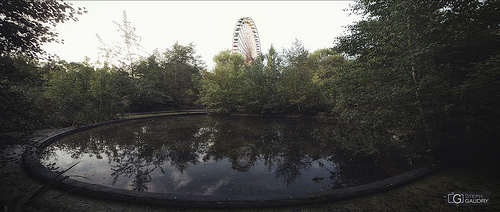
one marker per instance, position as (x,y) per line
(204,178)
(192,158)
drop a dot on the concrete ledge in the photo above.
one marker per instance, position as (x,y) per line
(34,167)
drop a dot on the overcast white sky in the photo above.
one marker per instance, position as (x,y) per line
(207,24)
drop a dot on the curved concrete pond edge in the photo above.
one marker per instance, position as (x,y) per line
(35,168)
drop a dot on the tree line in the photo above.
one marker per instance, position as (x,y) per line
(60,93)
(291,82)
(424,75)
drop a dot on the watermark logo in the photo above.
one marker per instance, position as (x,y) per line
(468,198)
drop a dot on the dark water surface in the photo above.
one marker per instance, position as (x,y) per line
(213,155)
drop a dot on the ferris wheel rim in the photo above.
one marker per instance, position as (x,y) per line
(246,38)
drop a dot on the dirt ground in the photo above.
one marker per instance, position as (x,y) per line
(424,194)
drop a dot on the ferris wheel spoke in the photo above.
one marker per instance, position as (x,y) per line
(246,38)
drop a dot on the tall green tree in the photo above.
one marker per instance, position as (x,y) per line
(153,84)
(26,25)
(254,86)
(184,67)
(272,72)
(298,89)
(324,62)
(221,87)
(411,59)
(168,80)
(323,65)
(261,92)
(111,92)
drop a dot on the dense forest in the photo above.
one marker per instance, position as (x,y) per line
(423,74)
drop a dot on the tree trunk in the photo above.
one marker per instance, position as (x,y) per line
(413,69)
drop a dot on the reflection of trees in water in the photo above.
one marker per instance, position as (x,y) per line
(286,146)
(283,145)
(135,150)
(154,147)
(141,179)
(352,171)
(291,166)
(336,179)
(132,162)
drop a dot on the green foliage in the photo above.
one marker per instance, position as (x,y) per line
(184,67)
(423,76)
(271,96)
(20,94)
(81,94)
(293,82)
(153,84)
(415,70)
(298,89)
(26,24)
(25,27)
(254,87)
(58,93)
(220,88)
(260,90)
(167,80)
(324,65)
(481,100)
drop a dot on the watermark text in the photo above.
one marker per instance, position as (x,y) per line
(468,198)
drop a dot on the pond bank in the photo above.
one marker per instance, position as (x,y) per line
(424,194)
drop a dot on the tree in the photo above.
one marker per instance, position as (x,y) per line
(123,54)
(481,101)
(111,92)
(272,73)
(69,90)
(296,82)
(324,62)
(153,84)
(411,58)
(20,88)
(26,24)
(255,87)
(80,94)
(273,84)
(184,67)
(167,80)
(323,65)
(260,90)
(221,88)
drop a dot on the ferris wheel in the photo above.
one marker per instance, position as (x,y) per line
(246,39)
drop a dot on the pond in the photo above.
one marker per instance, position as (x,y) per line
(212,155)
